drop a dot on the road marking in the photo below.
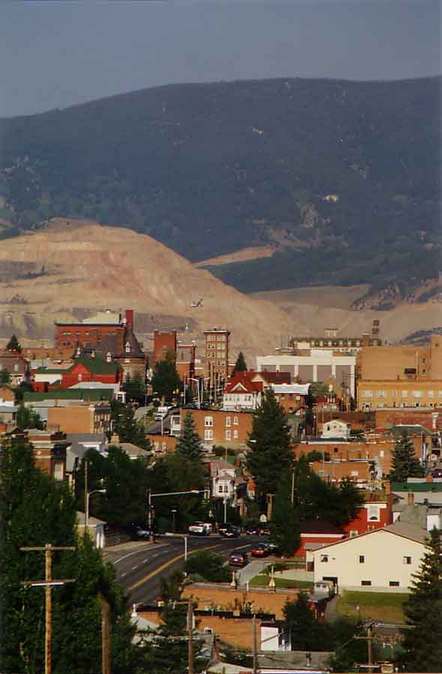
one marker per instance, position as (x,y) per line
(135,552)
(161,568)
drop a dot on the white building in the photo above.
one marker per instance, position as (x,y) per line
(313,365)
(222,475)
(336,429)
(382,560)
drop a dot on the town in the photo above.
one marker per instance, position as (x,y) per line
(182,506)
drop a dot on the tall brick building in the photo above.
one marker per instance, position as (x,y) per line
(163,342)
(217,355)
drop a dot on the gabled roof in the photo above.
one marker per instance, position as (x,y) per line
(274,377)
(402,529)
(319,527)
(242,382)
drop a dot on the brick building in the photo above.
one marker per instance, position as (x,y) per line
(80,418)
(220,427)
(185,361)
(15,365)
(49,449)
(217,356)
(163,342)
(80,369)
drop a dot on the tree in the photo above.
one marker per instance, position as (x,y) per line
(5,377)
(240,365)
(284,525)
(270,453)
(189,443)
(127,427)
(423,639)
(209,565)
(405,464)
(34,510)
(14,345)
(306,632)
(165,378)
(135,388)
(27,417)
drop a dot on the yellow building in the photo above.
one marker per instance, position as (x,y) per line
(374,395)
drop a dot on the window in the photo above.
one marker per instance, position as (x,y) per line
(228,435)
(393,583)
(367,393)
(324,558)
(407,560)
(228,421)
(361,559)
(236,420)
(373,513)
(220,489)
(208,422)
(366,582)
(235,434)
(208,435)
(353,533)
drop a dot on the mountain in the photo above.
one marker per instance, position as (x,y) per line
(71,269)
(339,180)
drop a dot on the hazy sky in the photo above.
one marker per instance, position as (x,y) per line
(54,54)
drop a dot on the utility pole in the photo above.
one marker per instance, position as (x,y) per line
(105,636)
(292,496)
(369,640)
(48,583)
(149,513)
(86,500)
(190,637)
(255,646)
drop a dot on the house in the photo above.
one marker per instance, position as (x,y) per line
(7,396)
(95,529)
(49,449)
(316,534)
(222,476)
(81,369)
(219,427)
(359,471)
(291,397)
(242,393)
(375,513)
(7,412)
(15,365)
(336,429)
(80,418)
(383,560)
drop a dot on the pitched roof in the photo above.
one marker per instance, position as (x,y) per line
(402,529)
(319,527)
(97,365)
(69,394)
(275,377)
(242,382)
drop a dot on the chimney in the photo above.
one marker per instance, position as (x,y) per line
(410,498)
(129,314)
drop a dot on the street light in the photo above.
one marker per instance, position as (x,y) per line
(88,495)
(173,511)
(150,496)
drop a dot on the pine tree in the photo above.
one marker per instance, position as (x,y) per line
(127,427)
(306,633)
(405,463)
(423,638)
(284,526)
(135,388)
(270,454)
(14,345)
(5,377)
(28,418)
(189,443)
(240,365)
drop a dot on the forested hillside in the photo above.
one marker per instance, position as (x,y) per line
(341,178)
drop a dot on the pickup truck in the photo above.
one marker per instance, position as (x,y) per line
(200,529)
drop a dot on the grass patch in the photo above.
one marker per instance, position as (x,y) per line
(262,580)
(377,605)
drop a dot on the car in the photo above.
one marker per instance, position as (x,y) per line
(272,548)
(252,530)
(238,559)
(136,532)
(230,531)
(264,531)
(260,550)
(200,529)
(436,473)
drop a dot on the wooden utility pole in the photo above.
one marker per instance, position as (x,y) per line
(105,636)
(255,646)
(48,583)
(369,640)
(190,637)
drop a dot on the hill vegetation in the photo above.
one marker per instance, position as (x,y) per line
(340,178)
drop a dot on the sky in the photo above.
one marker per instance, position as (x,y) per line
(58,53)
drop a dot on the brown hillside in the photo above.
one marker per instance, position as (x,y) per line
(72,268)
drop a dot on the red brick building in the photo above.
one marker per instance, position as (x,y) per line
(185,360)
(219,427)
(164,342)
(81,369)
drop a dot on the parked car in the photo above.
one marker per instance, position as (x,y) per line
(137,532)
(272,548)
(252,530)
(238,559)
(200,529)
(264,531)
(230,531)
(260,550)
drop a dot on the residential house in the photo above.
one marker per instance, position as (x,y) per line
(336,429)
(15,365)
(383,560)
(81,418)
(291,397)
(242,393)
(80,369)
(220,427)
(223,479)
(315,534)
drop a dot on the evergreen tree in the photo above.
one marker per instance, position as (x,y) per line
(405,464)
(135,388)
(165,379)
(270,454)
(306,632)
(423,638)
(35,510)
(13,345)
(127,427)
(189,443)
(5,377)
(240,365)
(284,525)
(27,417)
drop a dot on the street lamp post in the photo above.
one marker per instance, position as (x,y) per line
(173,511)
(88,495)
(150,496)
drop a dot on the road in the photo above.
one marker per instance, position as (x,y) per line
(140,566)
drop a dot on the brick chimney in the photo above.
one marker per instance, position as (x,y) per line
(410,498)
(129,315)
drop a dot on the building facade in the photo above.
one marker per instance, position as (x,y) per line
(217,355)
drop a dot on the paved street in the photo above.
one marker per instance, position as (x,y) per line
(141,565)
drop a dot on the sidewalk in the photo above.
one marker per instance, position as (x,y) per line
(252,569)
